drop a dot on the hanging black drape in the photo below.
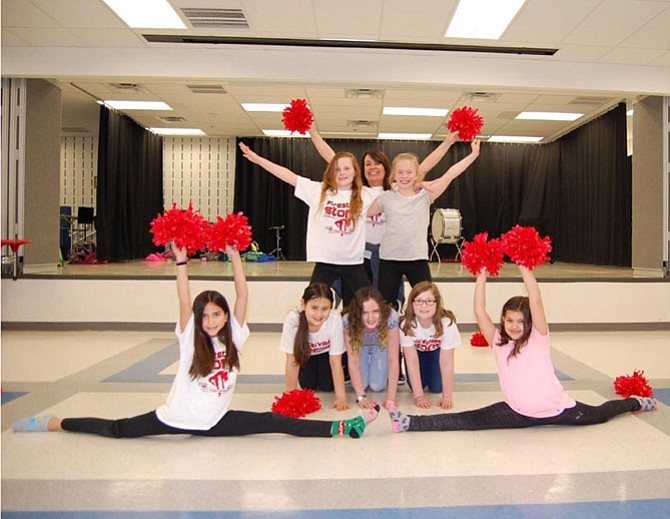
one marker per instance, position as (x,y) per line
(577,190)
(130,187)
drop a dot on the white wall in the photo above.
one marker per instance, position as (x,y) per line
(154,301)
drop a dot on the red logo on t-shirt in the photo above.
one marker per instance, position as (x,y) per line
(319,347)
(218,380)
(339,212)
(427,344)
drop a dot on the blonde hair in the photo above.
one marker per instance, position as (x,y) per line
(404,156)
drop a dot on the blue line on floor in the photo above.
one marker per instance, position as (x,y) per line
(8,396)
(648,508)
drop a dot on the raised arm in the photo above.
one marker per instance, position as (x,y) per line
(535,300)
(324,149)
(437,154)
(438,186)
(278,171)
(241,289)
(183,292)
(486,326)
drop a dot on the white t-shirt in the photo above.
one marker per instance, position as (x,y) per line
(329,238)
(424,340)
(329,339)
(199,404)
(375,225)
(407,220)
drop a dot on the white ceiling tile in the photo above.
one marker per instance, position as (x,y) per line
(109,38)
(23,13)
(11,39)
(402,20)
(49,37)
(613,21)
(80,13)
(632,56)
(287,18)
(547,20)
(655,34)
(662,61)
(348,18)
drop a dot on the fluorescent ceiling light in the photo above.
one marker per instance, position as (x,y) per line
(549,116)
(406,136)
(283,133)
(264,107)
(177,131)
(406,110)
(513,138)
(147,14)
(482,19)
(138,105)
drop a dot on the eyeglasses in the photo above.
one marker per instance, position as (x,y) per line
(424,302)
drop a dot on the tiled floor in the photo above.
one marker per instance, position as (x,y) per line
(617,469)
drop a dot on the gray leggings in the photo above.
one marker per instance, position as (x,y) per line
(502,416)
(233,423)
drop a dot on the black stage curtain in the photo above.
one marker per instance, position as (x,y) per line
(577,189)
(130,187)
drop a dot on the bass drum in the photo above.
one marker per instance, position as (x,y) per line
(446,225)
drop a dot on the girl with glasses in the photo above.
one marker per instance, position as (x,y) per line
(428,336)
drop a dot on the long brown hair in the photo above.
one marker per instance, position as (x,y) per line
(301,350)
(355,319)
(409,320)
(329,184)
(203,354)
(516,304)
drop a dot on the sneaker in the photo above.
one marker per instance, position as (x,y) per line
(647,403)
(32,424)
(401,379)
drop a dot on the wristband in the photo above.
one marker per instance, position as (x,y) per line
(360,398)
(180,263)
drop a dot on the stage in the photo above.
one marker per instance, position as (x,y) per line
(140,294)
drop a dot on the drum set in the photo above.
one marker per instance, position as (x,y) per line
(446,228)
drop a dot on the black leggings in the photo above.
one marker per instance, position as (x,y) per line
(233,423)
(391,273)
(502,416)
(316,374)
(353,277)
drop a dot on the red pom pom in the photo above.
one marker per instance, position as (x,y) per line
(234,230)
(525,247)
(478,339)
(184,227)
(467,122)
(298,117)
(633,385)
(296,403)
(480,254)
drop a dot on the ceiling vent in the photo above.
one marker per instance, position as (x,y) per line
(363,93)
(589,100)
(202,18)
(172,119)
(75,129)
(481,97)
(127,87)
(362,125)
(207,89)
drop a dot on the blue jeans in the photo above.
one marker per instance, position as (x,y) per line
(374,367)
(429,369)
